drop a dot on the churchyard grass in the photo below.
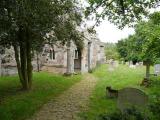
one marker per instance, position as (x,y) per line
(121,77)
(18,105)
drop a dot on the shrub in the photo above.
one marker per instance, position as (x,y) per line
(131,113)
(154,107)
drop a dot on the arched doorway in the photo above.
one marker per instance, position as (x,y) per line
(77,60)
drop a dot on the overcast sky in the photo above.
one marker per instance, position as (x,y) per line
(108,32)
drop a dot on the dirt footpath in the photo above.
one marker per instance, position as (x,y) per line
(69,103)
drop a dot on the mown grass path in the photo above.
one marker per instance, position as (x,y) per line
(67,105)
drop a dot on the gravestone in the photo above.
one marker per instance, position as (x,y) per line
(132,66)
(111,65)
(140,63)
(127,63)
(128,97)
(157,69)
(116,64)
(130,63)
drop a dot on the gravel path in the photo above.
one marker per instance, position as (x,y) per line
(68,104)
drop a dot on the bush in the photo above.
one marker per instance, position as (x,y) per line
(112,116)
(154,107)
(132,113)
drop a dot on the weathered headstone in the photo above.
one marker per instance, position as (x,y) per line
(127,63)
(137,64)
(111,65)
(132,66)
(116,64)
(130,63)
(157,69)
(128,97)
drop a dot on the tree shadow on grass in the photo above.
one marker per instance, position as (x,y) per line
(9,86)
(7,91)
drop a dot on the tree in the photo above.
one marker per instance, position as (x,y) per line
(144,44)
(122,49)
(111,51)
(24,23)
(148,36)
(120,12)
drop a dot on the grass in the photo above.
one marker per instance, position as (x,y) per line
(18,105)
(121,77)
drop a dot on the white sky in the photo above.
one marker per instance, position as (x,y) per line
(108,32)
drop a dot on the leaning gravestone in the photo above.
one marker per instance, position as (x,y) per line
(128,97)
(157,69)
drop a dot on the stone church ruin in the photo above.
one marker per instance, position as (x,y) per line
(53,57)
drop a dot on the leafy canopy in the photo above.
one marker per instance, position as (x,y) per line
(144,44)
(120,12)
(39,17)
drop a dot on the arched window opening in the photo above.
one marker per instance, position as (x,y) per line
(52,54)
(76,54)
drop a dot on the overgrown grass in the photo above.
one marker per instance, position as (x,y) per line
(18,105)
(121,77)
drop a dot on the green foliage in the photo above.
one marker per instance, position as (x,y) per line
(120,12)
(144,44)
(19,105)
(132,113)
(129,49)
(154,107)
(122,49)
(40,17)
(157,61)
(111,51)
(112,116)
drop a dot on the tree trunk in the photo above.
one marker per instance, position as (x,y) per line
(147,71)
(20,57)
(29,63)
(18,64)
(24,60)
(23,57)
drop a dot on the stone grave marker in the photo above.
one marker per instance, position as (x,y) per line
(140,63)
(131,97)
(157,69)
(116,64)
(132,66)
(111,65)
(127,63)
